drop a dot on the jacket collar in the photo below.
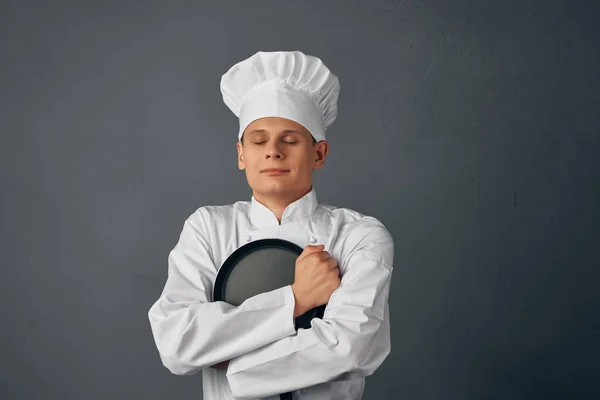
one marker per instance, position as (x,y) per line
(263,217)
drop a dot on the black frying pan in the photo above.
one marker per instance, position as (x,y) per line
(258,267)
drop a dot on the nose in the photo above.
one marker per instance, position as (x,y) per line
(274,150)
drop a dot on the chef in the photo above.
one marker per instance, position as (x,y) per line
(284,101)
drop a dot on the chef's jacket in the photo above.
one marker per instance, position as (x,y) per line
(267,355)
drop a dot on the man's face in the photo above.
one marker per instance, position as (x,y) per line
(283,145)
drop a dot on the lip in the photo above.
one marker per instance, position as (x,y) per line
(275,171)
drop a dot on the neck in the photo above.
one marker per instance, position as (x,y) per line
(278,202)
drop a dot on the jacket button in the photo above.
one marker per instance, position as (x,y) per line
(312,239)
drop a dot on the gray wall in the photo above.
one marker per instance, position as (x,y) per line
(469,128)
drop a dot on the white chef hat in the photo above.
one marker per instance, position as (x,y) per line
(286,84)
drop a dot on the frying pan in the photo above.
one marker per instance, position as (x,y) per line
(257,267)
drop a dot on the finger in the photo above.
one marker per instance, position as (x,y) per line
(321,257)
(335,274)
(310,249)
(332,263)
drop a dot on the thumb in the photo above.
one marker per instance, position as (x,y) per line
(311,249)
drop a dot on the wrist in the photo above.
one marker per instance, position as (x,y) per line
(300,306)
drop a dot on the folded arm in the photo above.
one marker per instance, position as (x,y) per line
(351,340)
(192,332)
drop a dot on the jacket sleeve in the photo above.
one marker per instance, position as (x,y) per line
(192,332)
(351,340)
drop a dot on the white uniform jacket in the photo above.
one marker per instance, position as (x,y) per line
(267,355)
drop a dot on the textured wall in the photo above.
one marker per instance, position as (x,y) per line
(469,128)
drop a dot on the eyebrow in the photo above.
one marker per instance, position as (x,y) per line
(282,132)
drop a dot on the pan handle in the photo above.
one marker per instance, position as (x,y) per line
(303,321)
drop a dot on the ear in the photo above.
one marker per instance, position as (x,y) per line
(320,151)
(240,151)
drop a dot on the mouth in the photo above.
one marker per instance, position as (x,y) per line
(275,171)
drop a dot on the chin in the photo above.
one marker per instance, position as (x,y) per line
(274,187)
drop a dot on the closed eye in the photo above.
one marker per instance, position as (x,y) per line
(283,142)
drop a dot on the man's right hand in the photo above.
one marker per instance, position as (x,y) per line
(317,276)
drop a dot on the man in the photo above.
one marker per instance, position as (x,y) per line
(284,102)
